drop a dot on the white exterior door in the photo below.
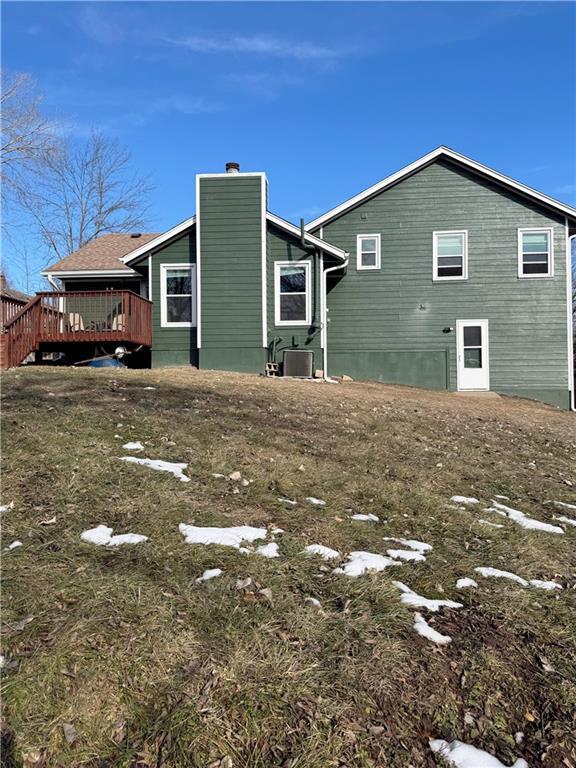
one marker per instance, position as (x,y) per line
(473,363)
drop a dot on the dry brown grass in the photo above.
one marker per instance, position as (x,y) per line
(152,670)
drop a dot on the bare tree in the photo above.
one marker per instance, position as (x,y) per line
(83,191)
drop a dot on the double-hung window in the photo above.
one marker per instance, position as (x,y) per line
(177,295)
(535,256)
(368,252)
(292,293)
(450,255)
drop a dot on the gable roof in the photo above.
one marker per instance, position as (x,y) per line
(323,245)
(156,240)
(103,254)
(11,293)
(436,154)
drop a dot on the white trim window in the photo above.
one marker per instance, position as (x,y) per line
(536,252)
(450,255)
(292,293)
(367,252)
(177,295)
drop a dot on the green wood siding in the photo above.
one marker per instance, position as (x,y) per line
(384,324)
(172,346)
(283,246)
(230,210)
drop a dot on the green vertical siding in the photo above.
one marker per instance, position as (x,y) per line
(172,346)
(283,246)
(388,324)
(230,212)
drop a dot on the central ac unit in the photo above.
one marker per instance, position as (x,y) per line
(299,363)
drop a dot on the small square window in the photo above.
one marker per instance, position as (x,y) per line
(535,253)
(368,252)
(450,255)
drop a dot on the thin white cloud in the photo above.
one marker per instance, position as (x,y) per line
(262,45)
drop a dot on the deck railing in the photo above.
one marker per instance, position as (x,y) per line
(78,316)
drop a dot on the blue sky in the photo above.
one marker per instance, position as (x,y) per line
(327,98)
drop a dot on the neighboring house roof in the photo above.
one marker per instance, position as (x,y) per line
(436,154)
(103,254)
(11,294)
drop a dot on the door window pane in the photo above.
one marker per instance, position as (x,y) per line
(473,358)
(472,336)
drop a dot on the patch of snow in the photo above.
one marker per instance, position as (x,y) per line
(530,523)
(564,505)
(162,466)
(363,562)
(149,388)
(324,552)
(2,661)
(418,546)
(369,518)
(461,755)
(126,538)
(498,574)
(316,502)
(268,550)
(137,446)
(409,597)
(406,554)
(14,545)
(102,536)
(235,476)
(466,583)
(487,522)
(227,537)
(287,501)
(464,500)
(6,507)
(565,520)
(423,628)
(277,531)
(218,475)
(539,584)
(499,496)
(211,573)
(313,602)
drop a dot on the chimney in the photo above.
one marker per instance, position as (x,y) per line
(232,168)
(3,281)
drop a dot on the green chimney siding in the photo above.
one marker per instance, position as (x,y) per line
(172,346)
(283,246)
(388,324)
(230,209)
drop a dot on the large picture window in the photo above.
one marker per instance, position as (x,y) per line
(535,253)
(450,255)
(178,295)
(292,293)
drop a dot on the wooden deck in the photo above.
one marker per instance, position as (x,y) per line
(99,317)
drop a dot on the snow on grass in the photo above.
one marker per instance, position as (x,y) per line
(530,523)
(227,537)
(466,583)
(102,536)
(565,520)
(324,552)
(14,545)
(563,504)
(268,550)
(211,573)
(369,518)
(461,755)
(177,469)
(149,388)
(550,585)
(6,507)
(498,574)
(406,554)
(409,597)
(487,522)
(363,562)
(314,602)
(291,502)
(316,502)
(418,546)
(464,500)
(137,446)
(423,628)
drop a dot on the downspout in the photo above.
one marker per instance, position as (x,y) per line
(51,281)
(569,240)
(325,318)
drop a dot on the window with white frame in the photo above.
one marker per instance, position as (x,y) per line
(292,293)
(368,252)
(535,258)
(450,259)
(177,294)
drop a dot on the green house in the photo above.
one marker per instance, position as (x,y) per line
(446,274)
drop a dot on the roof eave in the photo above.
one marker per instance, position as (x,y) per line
(318,242)
(151,245)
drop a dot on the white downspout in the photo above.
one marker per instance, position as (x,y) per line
(50,279)
(569,240)
(325,315)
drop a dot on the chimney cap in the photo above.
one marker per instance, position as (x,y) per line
(135,234)
(232,167)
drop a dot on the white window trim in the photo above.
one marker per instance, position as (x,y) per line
(164,323)
(359,266)
(277,267)
(542,275)
(464,275)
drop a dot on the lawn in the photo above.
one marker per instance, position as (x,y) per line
(116,656)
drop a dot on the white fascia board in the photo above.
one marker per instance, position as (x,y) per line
(259,174)
(126,272)
(426,160)
(339,253)
(142,250)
